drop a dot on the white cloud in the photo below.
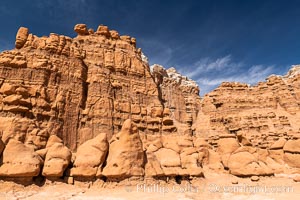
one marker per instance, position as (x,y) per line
(253,75)
(209,73)
(206,65)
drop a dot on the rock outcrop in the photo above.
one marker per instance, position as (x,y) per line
(92,107)
(19,161)
(248,162)
(90,157)
(171,156)
(126,156)
(292,153)
(180,96)
(57,159)
(21,37)
(77,88)
(260,114)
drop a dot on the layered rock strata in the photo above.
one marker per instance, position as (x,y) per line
(91,107)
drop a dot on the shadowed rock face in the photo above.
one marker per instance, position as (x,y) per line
(91,107)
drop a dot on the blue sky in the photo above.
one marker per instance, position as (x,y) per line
(210,41)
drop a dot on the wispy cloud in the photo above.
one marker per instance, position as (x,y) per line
(252,76)
(207,64)
(209,73)
(158,53)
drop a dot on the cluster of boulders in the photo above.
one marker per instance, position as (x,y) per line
(132,154)
(126,154)
(125,158)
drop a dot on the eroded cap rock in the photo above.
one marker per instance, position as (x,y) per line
(21,37)
(81,29)
(103,30)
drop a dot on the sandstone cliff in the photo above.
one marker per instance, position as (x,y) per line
(77,88)
(262,113)
(91,107)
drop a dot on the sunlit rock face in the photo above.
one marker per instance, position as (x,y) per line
(180,96)
(92,107)
(76,87)
(258,115)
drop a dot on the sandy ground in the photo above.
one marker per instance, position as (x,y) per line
(214,186)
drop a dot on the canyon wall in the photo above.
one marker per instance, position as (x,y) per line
(91,107)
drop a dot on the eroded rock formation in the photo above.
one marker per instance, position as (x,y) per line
(19,161)
(126,154)
(90,157)
(92,107)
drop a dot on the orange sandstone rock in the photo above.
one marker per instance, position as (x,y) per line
(62,99)
(21,37)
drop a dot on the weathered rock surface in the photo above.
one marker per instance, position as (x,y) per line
(226,146)
(62,99)
(243,163)
(81,29)
(171,155)
(57,160)
(21,37)
(90,157)
(126,154)
(292,146)
(76,88)
(19,161)
(260,114)
(292,153)
(180,96)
